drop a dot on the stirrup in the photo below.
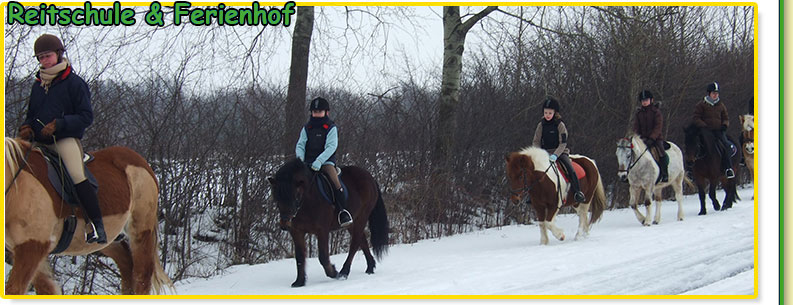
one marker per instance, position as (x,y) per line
(347,222)
(729,173)
(579,197)
(91,237)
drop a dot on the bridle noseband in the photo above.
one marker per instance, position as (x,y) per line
(527,186)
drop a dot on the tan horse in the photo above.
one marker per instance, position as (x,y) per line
(530,174)
(34,216)
(747,130)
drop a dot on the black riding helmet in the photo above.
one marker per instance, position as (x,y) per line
(550,103)
(645,94)
(713,87)
(319,104)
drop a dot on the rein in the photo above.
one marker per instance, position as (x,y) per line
(527,187)
(632,154)
(303,196)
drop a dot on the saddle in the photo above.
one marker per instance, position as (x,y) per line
(64,186)
(579,171)
(325,187)
(60,179)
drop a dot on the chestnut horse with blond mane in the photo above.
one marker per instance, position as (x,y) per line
(35,213)
(531,173)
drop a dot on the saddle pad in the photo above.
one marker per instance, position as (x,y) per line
(325,187)
(579,171)
(64,186)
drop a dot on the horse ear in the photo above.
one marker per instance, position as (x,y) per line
(272,181)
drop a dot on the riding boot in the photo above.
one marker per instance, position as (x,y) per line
(578,195)
(726,163)
(91,206)
(345,219)
(664,166)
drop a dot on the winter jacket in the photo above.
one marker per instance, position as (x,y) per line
(551,136)
(711,116)
(318,141)
(649,124)
(67,101)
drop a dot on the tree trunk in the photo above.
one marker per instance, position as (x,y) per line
(298,77)
(454,31)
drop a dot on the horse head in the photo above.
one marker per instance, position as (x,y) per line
(524,170)
(624,158)
(747,125)
(289,186)
(692,133)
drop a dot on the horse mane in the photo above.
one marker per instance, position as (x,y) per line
(284,177)
(539,157)
(14,153)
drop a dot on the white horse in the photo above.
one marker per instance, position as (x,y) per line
(637,166)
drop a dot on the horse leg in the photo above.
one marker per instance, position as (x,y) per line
(657,198)
(120,253)
(555,230)
(712,194)
(701,191)
(355,243)
(29,256)
(42,282)
(729,190)
(324,254)
(543,233)
(370,262)
(583,221)
(677,186)
(633,202)
(299,239)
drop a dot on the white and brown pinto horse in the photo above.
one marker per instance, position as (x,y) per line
(747,131)
(530,174)
(637,167)
(34,219)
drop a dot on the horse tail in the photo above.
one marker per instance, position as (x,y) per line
(598,202)
(159,279)
(378,227)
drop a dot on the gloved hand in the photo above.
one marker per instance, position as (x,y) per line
(315,166)
(300,158)
(25,132)
(554,157)
(49,129)
(723,127)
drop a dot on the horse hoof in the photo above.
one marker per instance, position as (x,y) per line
(298,284)
(702,213)
(561,238)
(342,276)
(655,222)
(369,270)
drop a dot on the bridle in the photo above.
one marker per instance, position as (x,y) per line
(302,198)
(632,162)
(527,186)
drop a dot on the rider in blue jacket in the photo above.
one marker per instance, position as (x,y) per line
(317,146)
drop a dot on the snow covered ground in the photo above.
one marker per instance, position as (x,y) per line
(712,255)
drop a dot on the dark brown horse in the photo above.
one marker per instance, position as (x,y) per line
(303,210)
(530,173)
(34,217)
(705,164)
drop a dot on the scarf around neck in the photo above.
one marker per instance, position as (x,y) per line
(711,101)
(49,74)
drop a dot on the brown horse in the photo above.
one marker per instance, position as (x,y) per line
(704,161)
(303,210)
(530,172)
(35,213)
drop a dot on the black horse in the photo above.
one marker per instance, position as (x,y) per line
(704,161)
(303,210)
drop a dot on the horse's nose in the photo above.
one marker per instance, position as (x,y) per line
(515,199)
(285,224)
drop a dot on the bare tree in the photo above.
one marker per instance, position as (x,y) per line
(298,77)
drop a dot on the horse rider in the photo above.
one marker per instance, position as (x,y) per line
(317,148)
(58,113)
(649,124)
(551,135)
(711,115)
